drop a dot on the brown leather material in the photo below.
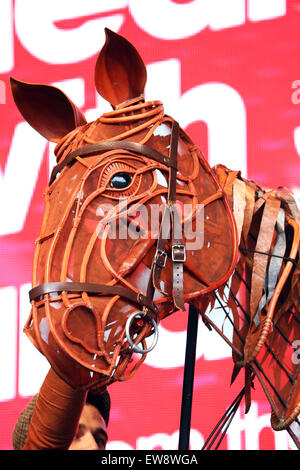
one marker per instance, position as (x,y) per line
(55,287)
(97,148)
(263,244)
(178,259)
(265,348)
(76,246)
(96,233)
(239,204)
(161,255)
(178,247)
(120,73)
(48,236)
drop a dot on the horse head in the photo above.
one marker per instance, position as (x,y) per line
(136,223)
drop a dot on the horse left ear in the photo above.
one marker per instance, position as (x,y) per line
(47,109)
(120,73)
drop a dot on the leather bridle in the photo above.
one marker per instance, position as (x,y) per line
(170,216)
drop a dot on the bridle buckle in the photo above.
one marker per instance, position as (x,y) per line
(178,253)
(160,258)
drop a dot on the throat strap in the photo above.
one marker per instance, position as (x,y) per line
(171,220)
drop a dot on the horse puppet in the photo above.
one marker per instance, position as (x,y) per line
(137,225)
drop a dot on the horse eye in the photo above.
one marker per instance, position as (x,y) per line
(120,180)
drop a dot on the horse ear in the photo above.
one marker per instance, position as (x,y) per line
(47,109)
(120,73)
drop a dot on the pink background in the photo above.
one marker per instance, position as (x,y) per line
(228,71)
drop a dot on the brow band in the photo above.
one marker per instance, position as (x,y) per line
(87,150)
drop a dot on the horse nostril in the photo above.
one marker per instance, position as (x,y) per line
(120,180)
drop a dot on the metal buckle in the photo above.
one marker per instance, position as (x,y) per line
(182,253)
(130,340)
(157,258)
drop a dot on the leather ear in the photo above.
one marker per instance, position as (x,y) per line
(120,73)
(47,109)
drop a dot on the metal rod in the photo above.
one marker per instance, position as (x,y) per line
(188,379)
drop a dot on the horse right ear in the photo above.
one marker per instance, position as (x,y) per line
(47,109)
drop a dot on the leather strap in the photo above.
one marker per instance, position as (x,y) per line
(170,216)
(178,248)
(178,258)
(51,287)
(88,150)
(275,265)
(160,258)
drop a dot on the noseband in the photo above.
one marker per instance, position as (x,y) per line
(144,302)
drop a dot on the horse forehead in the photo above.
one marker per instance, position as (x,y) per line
(156,137)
